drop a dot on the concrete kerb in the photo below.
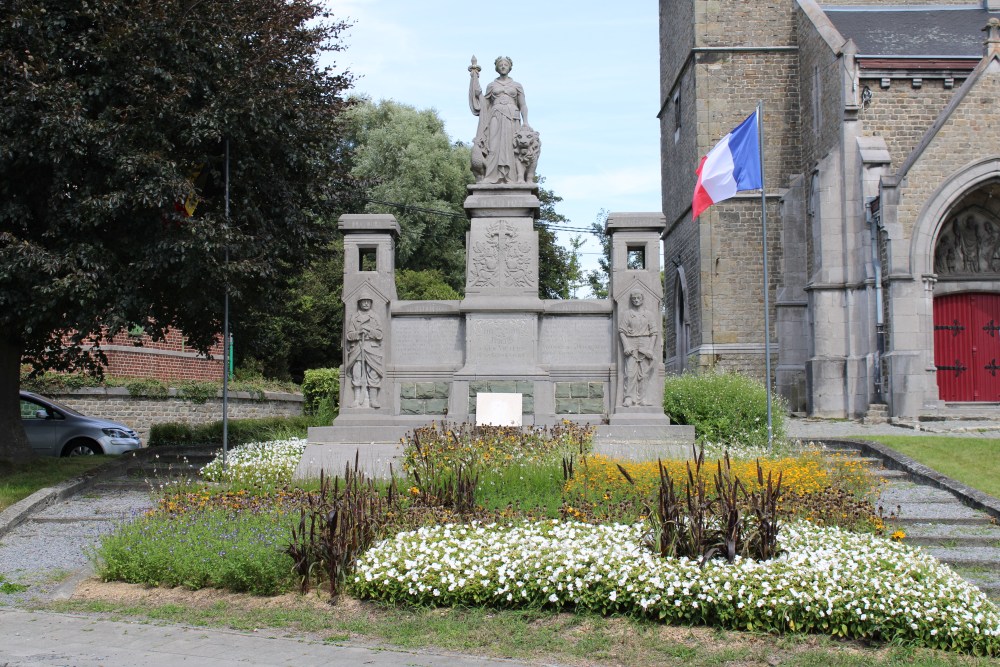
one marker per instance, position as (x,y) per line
(17,513)
(894,460)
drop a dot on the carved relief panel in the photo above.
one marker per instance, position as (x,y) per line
(502,257)
(969,243)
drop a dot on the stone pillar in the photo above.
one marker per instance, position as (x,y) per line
(501,305)
(637,294)
(369,289)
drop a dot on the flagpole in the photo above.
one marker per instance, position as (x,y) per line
(225,329)
(767,305)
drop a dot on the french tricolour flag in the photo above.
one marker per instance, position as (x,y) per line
(731,167)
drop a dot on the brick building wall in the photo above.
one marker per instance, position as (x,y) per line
(140,413)
(166,360)
(960,140)
(718,59)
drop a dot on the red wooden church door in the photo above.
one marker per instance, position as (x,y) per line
(967,346)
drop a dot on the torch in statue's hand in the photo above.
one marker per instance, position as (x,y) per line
(474,68)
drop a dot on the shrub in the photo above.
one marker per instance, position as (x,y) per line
(241,431)
(321,388)
(723,407)
(198,392)
(171,433)
(148,387)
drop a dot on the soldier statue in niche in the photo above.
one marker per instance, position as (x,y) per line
(638,333)
(364,355)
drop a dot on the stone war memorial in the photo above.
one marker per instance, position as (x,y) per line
(501,355)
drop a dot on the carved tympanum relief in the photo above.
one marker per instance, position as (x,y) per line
(968,243)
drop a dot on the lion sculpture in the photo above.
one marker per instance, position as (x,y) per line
(527,146)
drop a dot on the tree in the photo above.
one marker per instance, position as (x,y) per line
(423,285)
(406,165)
(598,278)
(114,114)
(401,162)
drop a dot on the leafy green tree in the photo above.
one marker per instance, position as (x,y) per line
(406,165)
(555,272)
(598,278)
(423,285)
(116,113)
(301,328)
(401,162)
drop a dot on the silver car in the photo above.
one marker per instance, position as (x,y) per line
(55,429)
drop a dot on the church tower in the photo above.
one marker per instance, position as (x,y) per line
(718,58)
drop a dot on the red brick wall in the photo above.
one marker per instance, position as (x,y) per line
(168,359)
(165,360)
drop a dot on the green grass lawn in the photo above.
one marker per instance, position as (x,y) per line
(20,481)
(972,461)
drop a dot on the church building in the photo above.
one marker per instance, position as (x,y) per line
(881,155)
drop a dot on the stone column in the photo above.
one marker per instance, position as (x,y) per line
(637,294)
(501,304)
(369,289)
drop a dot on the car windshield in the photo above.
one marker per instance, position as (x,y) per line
(62,407)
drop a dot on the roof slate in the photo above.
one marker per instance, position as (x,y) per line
(912,32)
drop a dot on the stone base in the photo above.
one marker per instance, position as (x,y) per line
(645,426)
(366,429)
(375,459)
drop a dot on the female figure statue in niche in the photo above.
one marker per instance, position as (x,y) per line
(501,111)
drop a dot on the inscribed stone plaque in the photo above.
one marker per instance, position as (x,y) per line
(502,342)
(576,340)
(427,341)
(498,409)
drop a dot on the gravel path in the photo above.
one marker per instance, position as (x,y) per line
(52,545)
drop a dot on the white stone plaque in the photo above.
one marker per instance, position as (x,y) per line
(498,409)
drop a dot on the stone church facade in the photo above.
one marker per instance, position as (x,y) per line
(882,186)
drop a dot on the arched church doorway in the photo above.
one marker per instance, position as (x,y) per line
(967,299)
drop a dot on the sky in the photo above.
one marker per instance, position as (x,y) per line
(590,71)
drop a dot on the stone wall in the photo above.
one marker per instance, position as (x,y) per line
(967,133)
(741,23)
(821,95)
(140,413)
(901,113)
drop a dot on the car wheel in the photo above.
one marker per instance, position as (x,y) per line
(81,448)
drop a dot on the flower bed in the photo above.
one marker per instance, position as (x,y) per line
(828,581)
(258,464)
